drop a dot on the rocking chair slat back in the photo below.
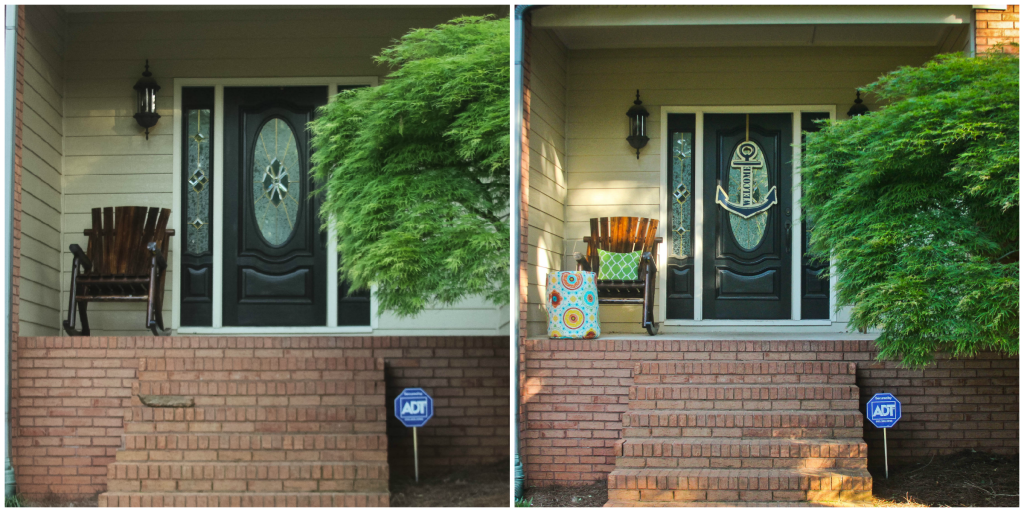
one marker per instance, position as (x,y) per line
(622,235)
(119,248)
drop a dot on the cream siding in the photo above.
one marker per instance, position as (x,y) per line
(42,171)
(604,176)
(548,186)
(110,163)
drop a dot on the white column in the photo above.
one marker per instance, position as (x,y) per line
(332,252)
(177,241)
(796,255)
(9,69)
(218,206)
(698,218)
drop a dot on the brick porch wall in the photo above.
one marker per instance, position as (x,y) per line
(72,395)
(994,26)
(576,392)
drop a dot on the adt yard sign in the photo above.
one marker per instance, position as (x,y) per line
(884,410)
(414,407)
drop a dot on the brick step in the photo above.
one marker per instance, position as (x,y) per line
(233,388)
(744,368)
(790,484)
(784,424)
(745,405)
(744,392)
(256,447)
(289,364)
(787,504)
(250,476)
(244,499)
(697,452)
(271,413)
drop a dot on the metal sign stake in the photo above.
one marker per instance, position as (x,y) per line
(885,445)
(416,457)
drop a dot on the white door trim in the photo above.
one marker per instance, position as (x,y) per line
(698,217)
(332,84)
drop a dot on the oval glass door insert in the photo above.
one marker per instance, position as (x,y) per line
(276,182)
(751,197)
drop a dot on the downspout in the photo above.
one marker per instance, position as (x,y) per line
(517,195)
(10,56)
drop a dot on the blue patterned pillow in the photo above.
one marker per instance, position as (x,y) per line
(616,265)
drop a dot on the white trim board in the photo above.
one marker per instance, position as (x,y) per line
(332,84)
(698,217)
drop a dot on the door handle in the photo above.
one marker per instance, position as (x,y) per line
(789,236)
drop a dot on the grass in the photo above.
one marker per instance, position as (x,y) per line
(13,502)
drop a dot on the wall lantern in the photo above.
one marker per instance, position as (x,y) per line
(145,109)
(637,125)
(858,107)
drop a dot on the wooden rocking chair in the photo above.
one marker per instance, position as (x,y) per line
(125,261)
(625,235)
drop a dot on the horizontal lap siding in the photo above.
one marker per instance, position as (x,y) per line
(605,178)
(110,163)
(42,170)
(547,193)
(73,394)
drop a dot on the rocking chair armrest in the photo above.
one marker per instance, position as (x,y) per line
(158,256)
(581,262)
(80,257)
(647,265)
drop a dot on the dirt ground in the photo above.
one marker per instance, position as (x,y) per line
(965,479)
(478,486)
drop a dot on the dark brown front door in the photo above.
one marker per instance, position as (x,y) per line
(747,216)
(274,251)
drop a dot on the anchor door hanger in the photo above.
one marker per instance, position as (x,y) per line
(751,196)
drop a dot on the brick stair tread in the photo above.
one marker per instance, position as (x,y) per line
(276,499)
(706,476)
(787,504)
(745,368)
(269,363)
(291,387)
(757,453)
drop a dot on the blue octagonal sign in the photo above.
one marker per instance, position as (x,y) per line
(414,407)
(884,410)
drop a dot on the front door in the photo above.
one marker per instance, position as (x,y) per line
(747,216)
(274,250)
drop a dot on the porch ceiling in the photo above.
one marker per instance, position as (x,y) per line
(77,7)
(591,27)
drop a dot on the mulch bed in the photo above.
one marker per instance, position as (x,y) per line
(965,479)
(476,486)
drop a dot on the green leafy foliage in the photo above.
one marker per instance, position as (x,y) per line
(416,171)
(918,204)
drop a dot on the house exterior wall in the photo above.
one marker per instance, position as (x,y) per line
(995,26)
(548,187)
(577,390)
(604,176)
(42,170)
(108,162)
(72,395)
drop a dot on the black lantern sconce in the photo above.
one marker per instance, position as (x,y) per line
(145,109)
(858,107)
(637,125)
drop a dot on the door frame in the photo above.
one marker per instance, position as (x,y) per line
(698,217)
(332,84)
